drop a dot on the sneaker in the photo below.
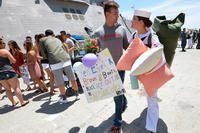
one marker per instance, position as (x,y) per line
(183,50)
(76,94)
(151,132)
(62,100)
(115,129)
(148,131)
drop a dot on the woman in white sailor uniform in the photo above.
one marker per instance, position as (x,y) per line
(141,23)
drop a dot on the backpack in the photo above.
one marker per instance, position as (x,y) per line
(149,43)
(168,32)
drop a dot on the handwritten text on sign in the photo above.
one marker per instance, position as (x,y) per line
(101,80)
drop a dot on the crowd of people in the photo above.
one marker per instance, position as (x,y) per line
(54,54)
(189,39)
(8,77)
(40,56)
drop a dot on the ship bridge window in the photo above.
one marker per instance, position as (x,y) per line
(68,16)
(72,10)
(66,10)
(75,17)
(37,1)
(82,17)
(99,12)
(79,11)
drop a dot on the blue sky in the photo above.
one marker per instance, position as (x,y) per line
(169,8)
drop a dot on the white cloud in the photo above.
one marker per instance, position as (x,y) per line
(163,5)
(127,14)
(190,9)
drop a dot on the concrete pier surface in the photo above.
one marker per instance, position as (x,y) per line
(179,107)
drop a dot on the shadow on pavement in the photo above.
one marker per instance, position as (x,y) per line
(54,108)
(138,125)
(74,130)
(104,127)
(7,108)
(40,97)
(30,95)
(3,97)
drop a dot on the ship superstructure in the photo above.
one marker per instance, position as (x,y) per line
(21,18)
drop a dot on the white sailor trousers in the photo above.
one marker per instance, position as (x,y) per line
(152,113)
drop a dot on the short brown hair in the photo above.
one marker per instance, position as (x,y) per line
(110,4)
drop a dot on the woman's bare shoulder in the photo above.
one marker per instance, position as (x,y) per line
(4,52)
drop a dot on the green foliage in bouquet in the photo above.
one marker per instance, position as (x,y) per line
(91,46)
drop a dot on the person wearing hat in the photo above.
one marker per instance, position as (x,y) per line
(113,36)
(142,24)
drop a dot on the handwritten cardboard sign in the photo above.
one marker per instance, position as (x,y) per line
(101,80)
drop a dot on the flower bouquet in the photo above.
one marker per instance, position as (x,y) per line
(91,46)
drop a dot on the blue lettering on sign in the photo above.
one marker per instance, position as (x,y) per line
(93,69)
(110,61)
(84,73)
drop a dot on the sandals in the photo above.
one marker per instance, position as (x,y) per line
(24,104)
(28,88)
(45,90)
(38,91)
(15,104)
(41,91)
(52,92)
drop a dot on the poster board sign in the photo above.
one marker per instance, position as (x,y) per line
(102,80)
(25,74)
